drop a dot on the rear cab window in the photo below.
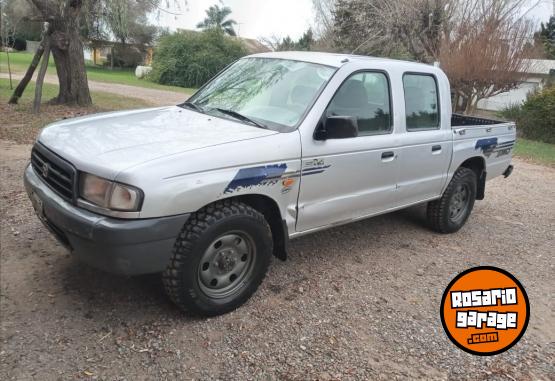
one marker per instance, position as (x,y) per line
(421,102)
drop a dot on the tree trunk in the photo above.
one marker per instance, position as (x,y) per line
(67,50)
(40,79)
(475,105)
(9,69)
(470,104)
(18,92)
(455,104)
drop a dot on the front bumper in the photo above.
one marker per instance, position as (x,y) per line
(129,247)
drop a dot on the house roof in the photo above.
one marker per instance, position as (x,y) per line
(542,67)
(254,46)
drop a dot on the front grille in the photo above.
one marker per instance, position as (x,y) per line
(57,173)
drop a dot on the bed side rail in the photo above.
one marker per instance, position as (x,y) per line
(458,120)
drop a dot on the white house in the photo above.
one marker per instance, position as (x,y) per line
(537,74)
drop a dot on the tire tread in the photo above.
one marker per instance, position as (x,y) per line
(198,223)
(437,210)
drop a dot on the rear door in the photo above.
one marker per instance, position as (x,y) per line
(427,147)
(343,179)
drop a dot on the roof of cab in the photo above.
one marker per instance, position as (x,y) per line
(331,59)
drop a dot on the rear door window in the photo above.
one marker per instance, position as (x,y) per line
(421,102)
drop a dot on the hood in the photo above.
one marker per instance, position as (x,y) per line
(105,144)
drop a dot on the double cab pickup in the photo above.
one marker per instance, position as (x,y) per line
(276,146)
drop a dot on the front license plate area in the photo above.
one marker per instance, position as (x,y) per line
(37,205)
(39,210)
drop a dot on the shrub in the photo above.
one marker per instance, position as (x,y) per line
(16,43)
(536,118)
(511,112)
(190,59)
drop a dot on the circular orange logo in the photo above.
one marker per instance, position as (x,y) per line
(485,310)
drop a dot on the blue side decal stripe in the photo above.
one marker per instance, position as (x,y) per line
(267,175)
(249,177)
(485,143)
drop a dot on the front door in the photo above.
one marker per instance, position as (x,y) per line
(343,179)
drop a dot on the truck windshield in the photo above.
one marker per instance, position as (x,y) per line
(268,92)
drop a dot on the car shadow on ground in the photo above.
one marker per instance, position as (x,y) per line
(99,292)
(102,292)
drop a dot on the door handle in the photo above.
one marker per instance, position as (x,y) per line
(436,148)
(388,155)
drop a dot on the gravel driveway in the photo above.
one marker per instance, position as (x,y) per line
(354,302)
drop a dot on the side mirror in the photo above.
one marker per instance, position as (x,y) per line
(337,127)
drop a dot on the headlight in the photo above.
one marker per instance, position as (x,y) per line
(109,194)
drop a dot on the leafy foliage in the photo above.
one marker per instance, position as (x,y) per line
(189,59)
(126,20)
(547,37)
(305,42)
(17,43)
(216,18)
(536,117)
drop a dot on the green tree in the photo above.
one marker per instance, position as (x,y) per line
(305,42)
(286,44)
(216,18)
(547,37)
(128,20)
(69,22)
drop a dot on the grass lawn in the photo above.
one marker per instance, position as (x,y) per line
(21,125)
(19,61)
(542,153)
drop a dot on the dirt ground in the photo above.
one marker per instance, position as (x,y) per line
(355,302)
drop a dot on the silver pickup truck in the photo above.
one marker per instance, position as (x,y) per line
(276,146)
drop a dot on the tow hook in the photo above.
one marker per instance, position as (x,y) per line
(508,171)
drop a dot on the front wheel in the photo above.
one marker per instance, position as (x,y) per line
(449,213)
(220,258)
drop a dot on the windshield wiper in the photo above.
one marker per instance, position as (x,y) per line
(241,117)
(191,105)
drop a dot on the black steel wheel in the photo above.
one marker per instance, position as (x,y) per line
(449,213)
(459,202)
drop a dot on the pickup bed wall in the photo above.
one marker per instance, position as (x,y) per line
(458,120)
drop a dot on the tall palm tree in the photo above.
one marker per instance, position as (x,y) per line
(216,17)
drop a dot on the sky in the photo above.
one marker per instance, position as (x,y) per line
(280,18)
(255,18)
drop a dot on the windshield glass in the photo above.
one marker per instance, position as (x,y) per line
(275,93)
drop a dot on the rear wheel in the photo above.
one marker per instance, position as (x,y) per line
(220,258)
(450,212)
